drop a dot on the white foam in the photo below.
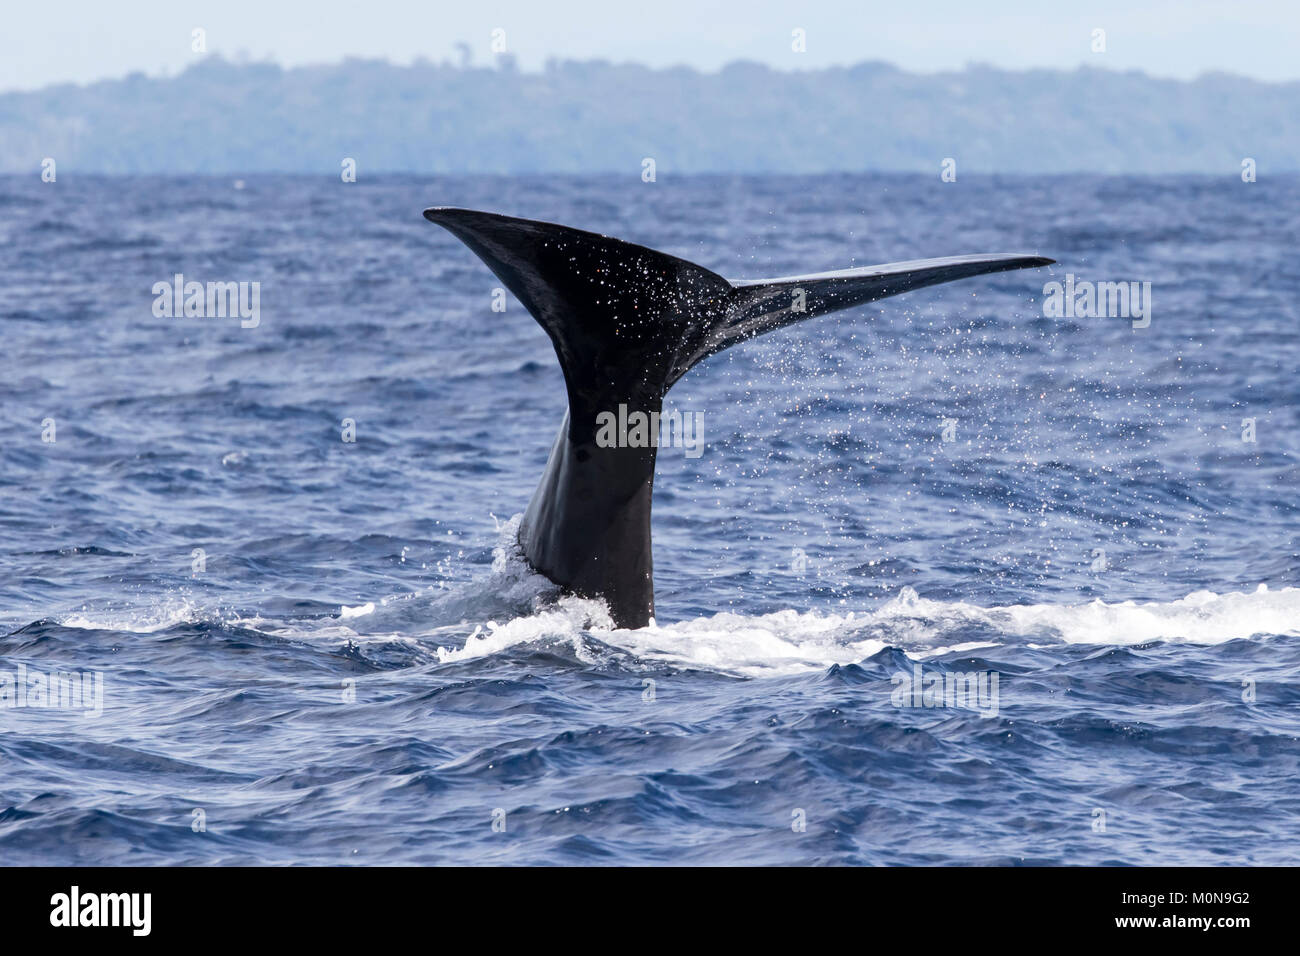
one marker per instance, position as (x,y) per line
(790,642)
(783,642)
(166,613)
(566,620)
(1201,617)
(769,644)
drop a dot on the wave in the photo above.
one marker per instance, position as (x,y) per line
(790,641)
(148,620)
(779,643)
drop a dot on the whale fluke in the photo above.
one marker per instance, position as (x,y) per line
(627,322)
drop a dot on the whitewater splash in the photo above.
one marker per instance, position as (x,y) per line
(789,642)
(173,610)
(776,644)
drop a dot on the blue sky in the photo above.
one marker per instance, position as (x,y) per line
(85,40)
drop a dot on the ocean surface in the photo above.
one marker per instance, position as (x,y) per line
(312,650)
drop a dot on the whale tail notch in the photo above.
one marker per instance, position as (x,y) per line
(627,322)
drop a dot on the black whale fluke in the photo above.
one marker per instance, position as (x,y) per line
(627,322)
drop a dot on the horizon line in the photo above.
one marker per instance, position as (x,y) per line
(506,63)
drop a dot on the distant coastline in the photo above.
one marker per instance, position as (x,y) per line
(595,116)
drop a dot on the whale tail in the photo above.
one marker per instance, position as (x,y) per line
(627,322)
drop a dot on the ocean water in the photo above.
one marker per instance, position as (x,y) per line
(309,650)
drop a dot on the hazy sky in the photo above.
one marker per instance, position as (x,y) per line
(84,40)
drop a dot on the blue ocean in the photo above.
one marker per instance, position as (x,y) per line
(950,580)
